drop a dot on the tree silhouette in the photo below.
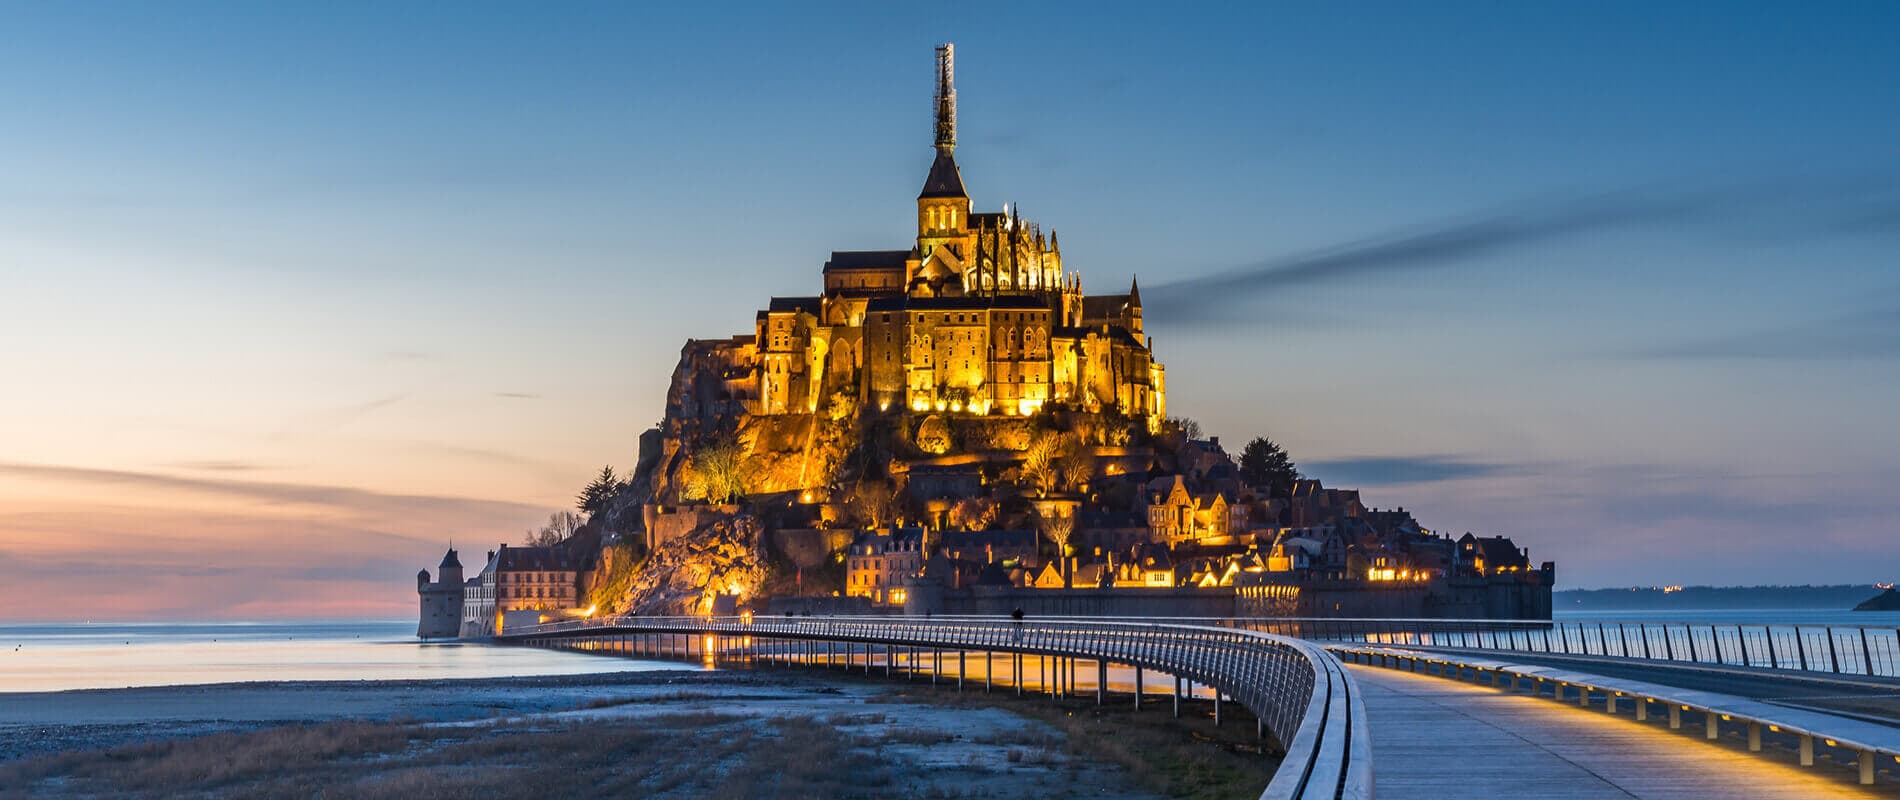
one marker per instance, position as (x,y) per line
(599,494)
(1266,465)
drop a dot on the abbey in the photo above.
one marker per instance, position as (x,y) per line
(979,316)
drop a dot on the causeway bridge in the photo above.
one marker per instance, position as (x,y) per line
(1397,708)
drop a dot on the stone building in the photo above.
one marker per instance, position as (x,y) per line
(519,579)
(978,316)
(441,613)
(879,564)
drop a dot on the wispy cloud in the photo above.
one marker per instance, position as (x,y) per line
(216,465)
(1793,207)
(518,395)
(1871,334)
(268,492)
(1397,470)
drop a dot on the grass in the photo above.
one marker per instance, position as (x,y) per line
(673,755)
(1187,757)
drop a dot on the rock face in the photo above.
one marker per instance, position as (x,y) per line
(723,556)
(1885,601)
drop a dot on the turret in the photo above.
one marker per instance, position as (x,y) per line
(451,568)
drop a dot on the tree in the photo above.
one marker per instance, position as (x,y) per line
(1059,528)
(560,527)
(600,494)
(1077,467)
(1266,465)
(972,514)
(718,470)
(876,502)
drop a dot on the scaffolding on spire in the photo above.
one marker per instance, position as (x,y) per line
(946,98)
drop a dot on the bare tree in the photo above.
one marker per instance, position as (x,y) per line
(876,503)
(718,470)
(560,527)
(1060,529)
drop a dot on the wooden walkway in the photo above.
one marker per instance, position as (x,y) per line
(1437,738)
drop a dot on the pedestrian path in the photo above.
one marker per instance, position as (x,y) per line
(1438,738)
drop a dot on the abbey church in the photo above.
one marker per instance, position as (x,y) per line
(978,316)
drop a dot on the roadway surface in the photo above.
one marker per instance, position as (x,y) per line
(1438,738)
(1874,699)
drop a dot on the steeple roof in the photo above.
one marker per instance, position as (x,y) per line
(944,179)
(450,560)
(1134,292)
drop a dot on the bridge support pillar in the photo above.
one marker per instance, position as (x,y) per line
(1216,708)
(1609,703)
(1137,688)
(1642,709)
(936,664)
(1866,767)
(989,670)
(1016,672)
(1583,696)
(1177,695)
(1101,682)
(960,662)
(1675,717)
(1712,722)
(1807,750)
(1754,737)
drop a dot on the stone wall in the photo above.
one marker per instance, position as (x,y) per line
(809,547)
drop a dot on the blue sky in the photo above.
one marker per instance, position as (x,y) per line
(302,291)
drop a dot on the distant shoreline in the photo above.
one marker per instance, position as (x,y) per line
(1835,597)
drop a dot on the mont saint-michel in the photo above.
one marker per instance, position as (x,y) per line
(960,425)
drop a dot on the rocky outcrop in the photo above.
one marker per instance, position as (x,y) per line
(724,555)
(1885,601)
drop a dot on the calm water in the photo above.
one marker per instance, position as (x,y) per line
(1757,616)
(51,657)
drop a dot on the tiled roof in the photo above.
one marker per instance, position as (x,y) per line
(867,259)
(533,559)
(944,179)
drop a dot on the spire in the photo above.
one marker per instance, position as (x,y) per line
(946,98)
(944,179)
(1134,292)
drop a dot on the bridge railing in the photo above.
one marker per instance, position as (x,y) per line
(1849,650)
(1301,694)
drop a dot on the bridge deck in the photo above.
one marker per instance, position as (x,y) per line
(1437,738)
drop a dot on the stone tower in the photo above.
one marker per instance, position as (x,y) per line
(441,613)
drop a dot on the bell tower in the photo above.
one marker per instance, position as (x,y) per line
(943,207)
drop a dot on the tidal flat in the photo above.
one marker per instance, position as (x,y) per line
(644,734)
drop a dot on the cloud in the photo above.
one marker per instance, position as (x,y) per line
(219,466)
(272,492)
(1871,334)
(1789,208)
(1396,470)
(518,395)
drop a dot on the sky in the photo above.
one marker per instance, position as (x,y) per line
(294,295)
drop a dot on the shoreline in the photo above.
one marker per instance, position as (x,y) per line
(82,741)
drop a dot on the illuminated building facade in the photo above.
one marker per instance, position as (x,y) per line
(978,316)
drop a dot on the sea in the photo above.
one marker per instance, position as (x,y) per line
(53,657)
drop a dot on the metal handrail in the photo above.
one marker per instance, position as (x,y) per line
(1300,693)
(1871,741)
(1870,650)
